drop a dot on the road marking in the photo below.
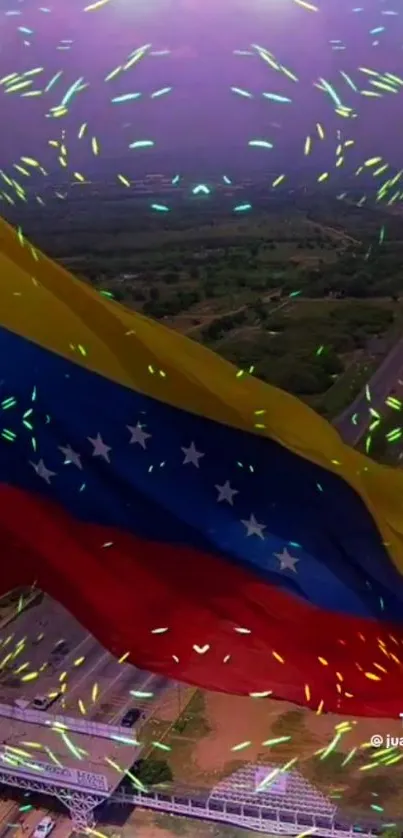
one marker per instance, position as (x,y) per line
(131,701)
(76,686)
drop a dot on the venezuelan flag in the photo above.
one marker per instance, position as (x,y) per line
(212,526)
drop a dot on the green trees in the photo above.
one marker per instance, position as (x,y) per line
(152,772)
(222,325)
(391,832)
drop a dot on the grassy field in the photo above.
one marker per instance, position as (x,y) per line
(252,289)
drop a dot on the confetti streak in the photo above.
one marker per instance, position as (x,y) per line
(261,695)
(332,745)
(98,5)
(241,746)
(142,144)
(141,694)
(70,745)
(260,144)
(279,740)
(126,97)
(267,780)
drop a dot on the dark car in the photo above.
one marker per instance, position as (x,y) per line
(61,648)
(130,717)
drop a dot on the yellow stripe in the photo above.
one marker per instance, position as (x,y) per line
(41,301)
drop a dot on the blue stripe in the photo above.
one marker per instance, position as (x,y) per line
(342,563)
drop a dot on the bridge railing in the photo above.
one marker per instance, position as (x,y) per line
(39,717)
(256,817)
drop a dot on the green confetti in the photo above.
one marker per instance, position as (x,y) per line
(241,746)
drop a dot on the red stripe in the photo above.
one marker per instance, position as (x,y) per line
(123,591)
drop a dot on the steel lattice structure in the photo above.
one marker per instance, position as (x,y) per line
(257,818)
(227,803)
(80,805)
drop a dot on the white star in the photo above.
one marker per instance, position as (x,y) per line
(287,562)
(100,449)
(192,455)
(70,456)
(253,527)
(226,493)
(42,471)
(138,435)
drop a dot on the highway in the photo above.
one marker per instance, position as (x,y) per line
(15,823)
(97,685)
(381,384)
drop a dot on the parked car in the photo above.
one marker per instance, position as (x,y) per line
(130,717)
(60,650)
(44,827)
(42,702)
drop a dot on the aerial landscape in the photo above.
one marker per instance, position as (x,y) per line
(302,291)
(201,435)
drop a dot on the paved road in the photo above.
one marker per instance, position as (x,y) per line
(116,699)
(53,751)
(9,814)
(99,685)
(15,823)
(38,630)
(383,381)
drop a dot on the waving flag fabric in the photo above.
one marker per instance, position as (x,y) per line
(210,525)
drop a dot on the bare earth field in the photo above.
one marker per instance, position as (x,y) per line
(147,824)
(204,751)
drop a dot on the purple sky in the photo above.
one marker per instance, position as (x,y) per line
(201,111)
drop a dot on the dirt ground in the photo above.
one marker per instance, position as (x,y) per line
(235,720)
(146,824)
(206,751)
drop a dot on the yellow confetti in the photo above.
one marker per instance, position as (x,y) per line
(278,657)
(97,5)
(261,695)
